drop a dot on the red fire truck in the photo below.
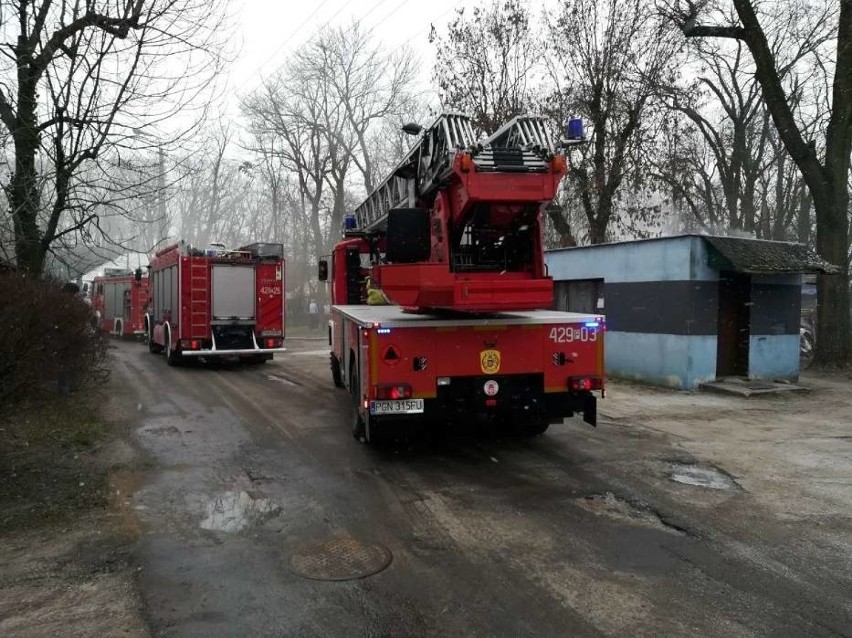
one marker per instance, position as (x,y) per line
(120,299)
(217,302)
(440,295)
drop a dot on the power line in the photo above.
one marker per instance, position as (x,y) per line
(317,31)
(283,44)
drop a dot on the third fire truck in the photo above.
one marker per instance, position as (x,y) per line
(215,302)
(441,300)
(120,298)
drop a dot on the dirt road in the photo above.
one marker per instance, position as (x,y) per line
(248,480)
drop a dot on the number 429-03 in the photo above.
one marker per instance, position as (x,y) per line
(570,334)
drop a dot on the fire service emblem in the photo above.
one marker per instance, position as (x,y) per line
(489,361)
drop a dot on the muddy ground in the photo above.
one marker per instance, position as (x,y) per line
(242,506)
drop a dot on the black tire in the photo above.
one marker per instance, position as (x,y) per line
(527,426)
(535,428)
(336,376)
(153,347)
(359,428)
(173,357)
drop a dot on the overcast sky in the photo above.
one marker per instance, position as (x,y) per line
(271,30)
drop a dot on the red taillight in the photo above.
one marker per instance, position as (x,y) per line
(190,344)
(393,391)
(490,402)
(272,343)
(581,384)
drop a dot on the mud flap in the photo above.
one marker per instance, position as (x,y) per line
(590,410)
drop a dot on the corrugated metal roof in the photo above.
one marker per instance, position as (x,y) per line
(757,256)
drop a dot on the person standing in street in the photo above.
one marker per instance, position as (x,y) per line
(313,315)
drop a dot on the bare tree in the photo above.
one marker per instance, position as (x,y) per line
(825,166)
(320,121)
(485,64)
(79,78)
(608,67)
(290,107)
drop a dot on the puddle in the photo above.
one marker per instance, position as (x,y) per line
(708,477)
(618,509)
(235,511)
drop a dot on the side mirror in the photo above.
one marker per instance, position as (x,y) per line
(408,238)
(322,273)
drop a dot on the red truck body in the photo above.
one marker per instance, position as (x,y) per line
(526,369)
(217,303)
(120,302)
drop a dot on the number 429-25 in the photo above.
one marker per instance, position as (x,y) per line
(569,334)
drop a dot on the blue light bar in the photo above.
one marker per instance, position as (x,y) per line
(574,130)
(592,324)
(349,222)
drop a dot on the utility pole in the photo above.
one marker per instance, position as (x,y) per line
(161,193)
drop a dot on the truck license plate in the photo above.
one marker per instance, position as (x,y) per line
(403,406)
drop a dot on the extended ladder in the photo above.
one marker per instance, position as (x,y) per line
(523,144)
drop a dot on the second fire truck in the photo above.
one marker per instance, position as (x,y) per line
(214,302)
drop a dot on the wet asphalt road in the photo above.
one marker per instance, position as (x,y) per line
(575,533)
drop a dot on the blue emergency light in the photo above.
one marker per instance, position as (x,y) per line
(574,129)
(349,222)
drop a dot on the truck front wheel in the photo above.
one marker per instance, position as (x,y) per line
(335,372)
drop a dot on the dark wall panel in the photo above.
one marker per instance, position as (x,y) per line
(662,307)
(776,309)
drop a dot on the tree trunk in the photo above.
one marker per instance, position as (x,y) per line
(24,195)
(597,229)
(833,322)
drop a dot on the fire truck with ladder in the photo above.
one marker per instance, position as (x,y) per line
(119,299)
(440,295)
(215,302)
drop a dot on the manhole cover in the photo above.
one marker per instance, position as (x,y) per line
(340,558)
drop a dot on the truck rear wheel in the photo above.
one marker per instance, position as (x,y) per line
(173,356)
(359,428)
(536,428)
(153,346)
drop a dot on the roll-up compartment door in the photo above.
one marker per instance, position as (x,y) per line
(233,292)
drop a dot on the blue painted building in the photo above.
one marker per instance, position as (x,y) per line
(688,309)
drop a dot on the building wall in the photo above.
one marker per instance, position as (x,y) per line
(661,304)
(774,327)
(675,361)
(673,259)
(661,301)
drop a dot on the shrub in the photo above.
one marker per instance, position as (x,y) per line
(48,340)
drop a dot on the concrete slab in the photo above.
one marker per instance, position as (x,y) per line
(748,387)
